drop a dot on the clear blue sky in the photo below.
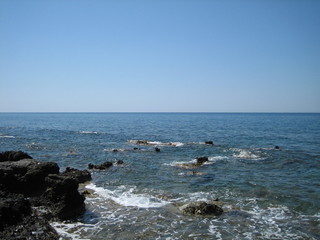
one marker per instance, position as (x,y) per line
(160,55)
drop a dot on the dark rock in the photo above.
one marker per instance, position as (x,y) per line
(26,176)
(209,142)
(62,197)
(13,156)
(202,160)
(102,166)
(56,194)
(157,149)
(13,208)
(33,227)
(202,208)
(119,162)
(81,176)
(277,147)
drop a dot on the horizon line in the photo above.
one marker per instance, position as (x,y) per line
(165,112)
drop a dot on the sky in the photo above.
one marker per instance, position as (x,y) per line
(159,56)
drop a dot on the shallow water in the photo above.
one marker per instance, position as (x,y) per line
(266,193)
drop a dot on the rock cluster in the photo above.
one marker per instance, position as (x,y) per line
(27,185)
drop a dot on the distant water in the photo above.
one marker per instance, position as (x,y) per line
(267,193)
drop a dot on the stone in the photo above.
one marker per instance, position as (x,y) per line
(157,149)
(62,197)
(209,142)
(102,166)
(81,176)
(13,156)
(202,208)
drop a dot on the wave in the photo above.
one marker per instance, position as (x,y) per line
(246,154)
(156,143)
(211,160)
(126,196)
(88,132)
(7,136)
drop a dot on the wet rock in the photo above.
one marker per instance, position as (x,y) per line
(277,147)
(199,163)
(202,160)
(81,176)
(209,142)
(13,156)
(102,166)
(157,149)
(120,162)
(202,209)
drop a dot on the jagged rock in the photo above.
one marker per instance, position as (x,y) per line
(62,197)
(102,166)
(26,176)
(81,176)
(26,183)
(13,156)
(202,208)
(13,208)
(19,221)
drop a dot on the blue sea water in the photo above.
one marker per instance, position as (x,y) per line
(266,193)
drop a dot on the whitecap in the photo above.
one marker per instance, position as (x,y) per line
(126,196)
(88,132)
(245,154)
(7,136)
(156,143)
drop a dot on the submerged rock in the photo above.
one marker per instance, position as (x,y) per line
(202,208)
(102,166)
(199,163)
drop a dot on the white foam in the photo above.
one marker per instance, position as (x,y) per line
(245,154)
(127,197)
(6,136)
(88,132)
(156,143)
(69,230)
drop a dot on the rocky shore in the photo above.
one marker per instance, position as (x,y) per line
(32,193)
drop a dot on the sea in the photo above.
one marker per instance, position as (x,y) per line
(264,168)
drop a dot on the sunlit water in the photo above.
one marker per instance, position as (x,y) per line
(266,193)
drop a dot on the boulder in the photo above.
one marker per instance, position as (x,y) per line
(26,176)
(202,208)
(62,197)
(102,166)
(81,176)
(13,156)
